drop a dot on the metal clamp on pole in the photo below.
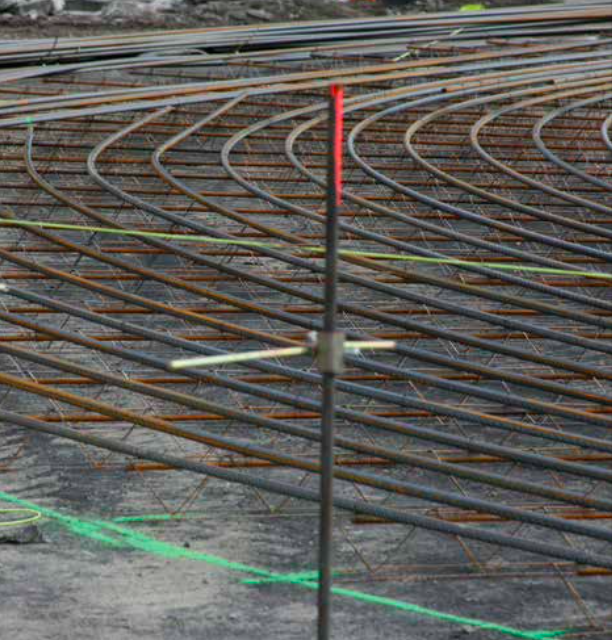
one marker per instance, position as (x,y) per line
(330,352)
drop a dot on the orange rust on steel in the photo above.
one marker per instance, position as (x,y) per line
(246,463)
(436,142)
(231,464)
(345,214)
(215,337)
(157,424)
(192,110)
(291,237)
(347,80)
(279,277)
(106,310)
(124,415)
(114,161)
(222,194)
(454,129)
(344,461)
(305,415)
(197,403)
(487,518)
(422,182)
(144,302)
(592,571)
(280,273)
(263,152)
(274,379)
(371,264)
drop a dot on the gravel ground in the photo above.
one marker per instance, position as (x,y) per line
(126,16)
(215,13)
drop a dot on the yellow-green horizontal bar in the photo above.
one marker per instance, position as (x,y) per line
(307,248)
(267,354)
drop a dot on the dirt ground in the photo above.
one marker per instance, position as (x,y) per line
(73,587)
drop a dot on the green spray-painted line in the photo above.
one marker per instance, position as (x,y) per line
(303,576)
(309,249)
(123,537)
(423,611)
(165,517)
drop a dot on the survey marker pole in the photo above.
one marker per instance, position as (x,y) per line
(330,358)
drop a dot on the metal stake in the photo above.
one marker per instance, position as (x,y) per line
(330,356)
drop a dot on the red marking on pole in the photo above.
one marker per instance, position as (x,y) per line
(337,92)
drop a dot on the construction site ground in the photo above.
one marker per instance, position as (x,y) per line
(80,574)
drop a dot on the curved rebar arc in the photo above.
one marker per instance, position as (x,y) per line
(606,127)
(418,250)
(138,202)
(495,383)
(286,288)
(539,126)
(453,209)
(429,279)
(474,139)
(538,213)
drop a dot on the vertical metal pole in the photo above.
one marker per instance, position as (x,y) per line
(328,361)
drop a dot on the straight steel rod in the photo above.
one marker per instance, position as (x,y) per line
(326,517)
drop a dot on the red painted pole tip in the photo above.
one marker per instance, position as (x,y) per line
(337,94)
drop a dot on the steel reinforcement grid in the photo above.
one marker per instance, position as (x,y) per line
(480,447)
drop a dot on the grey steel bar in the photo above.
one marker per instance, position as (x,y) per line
(329,358)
